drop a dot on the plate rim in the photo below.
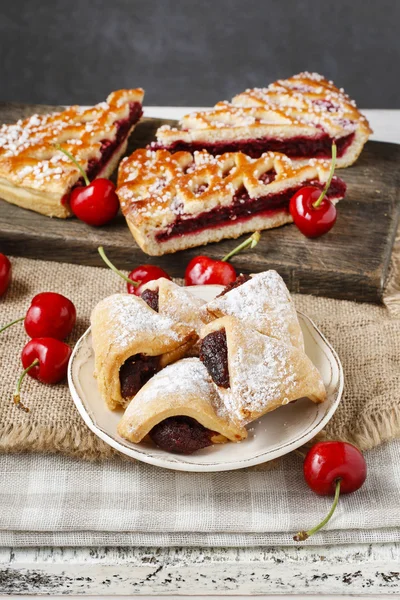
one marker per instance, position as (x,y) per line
(174,463)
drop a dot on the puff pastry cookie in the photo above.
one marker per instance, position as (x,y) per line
(131,342)
(255,373)
(183,389)
(176,302)
(299,116)
(37,176)
(262,302)
(177,201)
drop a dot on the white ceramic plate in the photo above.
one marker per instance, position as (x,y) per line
(274,435)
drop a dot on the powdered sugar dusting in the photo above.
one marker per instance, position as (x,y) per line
(306,99)
(184,384)
(269,373)
(27,148)
(158,188)
(264,303)
(129,317)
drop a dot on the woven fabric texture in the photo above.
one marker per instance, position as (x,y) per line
(366,338)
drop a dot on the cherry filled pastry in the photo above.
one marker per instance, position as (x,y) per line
(36,175)
(189,374)
(300,117)
(131,343)
(177,201)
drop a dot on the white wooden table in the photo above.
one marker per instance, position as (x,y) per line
(360,570)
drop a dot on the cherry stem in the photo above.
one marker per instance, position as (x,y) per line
(78,166)
(304,535)
(251,241)
(17,395)
(12,323)
(328,183)
(114,268)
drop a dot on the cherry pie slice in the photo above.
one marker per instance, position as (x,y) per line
(37,176)
(299,117)
(177,201)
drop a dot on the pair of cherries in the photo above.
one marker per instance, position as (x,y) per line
(201,270)
(49,320)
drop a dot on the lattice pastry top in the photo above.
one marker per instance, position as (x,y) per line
(28,157)
(157,187)
(289,107)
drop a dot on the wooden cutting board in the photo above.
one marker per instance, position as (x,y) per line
(349,262)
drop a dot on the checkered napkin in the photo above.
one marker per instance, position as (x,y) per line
(56,500)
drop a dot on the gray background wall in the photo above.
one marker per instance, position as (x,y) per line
(195,52)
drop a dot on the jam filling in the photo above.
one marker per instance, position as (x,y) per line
(108,147)
(151,298)
(296,147)
(181,435)
(243,208)
(214,355)
(240,280)
(135,372)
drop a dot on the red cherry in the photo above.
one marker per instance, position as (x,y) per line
(53,356)
(312,221)
(142,275)
(95,204)
(138,277)
(312,212)
(44,359)
(5,273)
(50,315)
(203,270)
(332,468)
(327,462)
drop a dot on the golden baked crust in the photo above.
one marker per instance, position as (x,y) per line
(157,188)
(123,326)
(181,389)
(37,176)
(264,372)
(302,106)
(179,304)
(263,303)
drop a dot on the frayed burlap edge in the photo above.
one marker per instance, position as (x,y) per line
(72,441)
(371,431)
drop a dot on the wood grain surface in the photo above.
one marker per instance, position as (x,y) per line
(350,262)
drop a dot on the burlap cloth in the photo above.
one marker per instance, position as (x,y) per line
(366,337)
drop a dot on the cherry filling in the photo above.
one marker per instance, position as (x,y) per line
(181,435)
(214,355)
(108,147)
(151,298)
(243,208)
(296,147)
(240,280)
(135,372)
